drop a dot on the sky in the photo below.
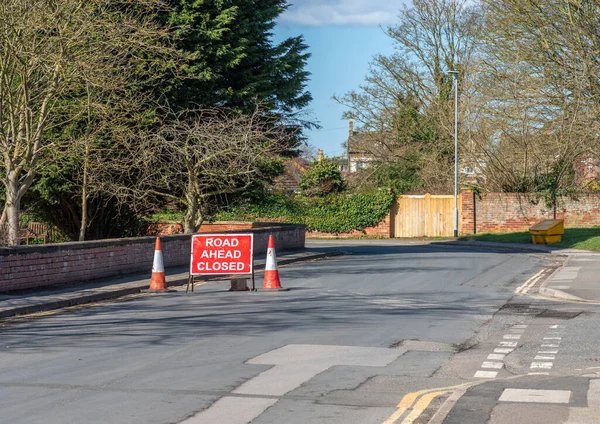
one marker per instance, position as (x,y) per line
(343,36)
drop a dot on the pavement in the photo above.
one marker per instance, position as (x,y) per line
(61,296)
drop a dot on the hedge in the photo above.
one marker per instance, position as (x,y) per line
(332,214)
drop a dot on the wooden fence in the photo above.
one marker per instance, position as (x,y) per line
(424,216)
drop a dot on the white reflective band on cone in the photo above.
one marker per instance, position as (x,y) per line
(271,264)
(158,265)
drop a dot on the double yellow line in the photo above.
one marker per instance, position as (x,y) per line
(421,401)
(525,287)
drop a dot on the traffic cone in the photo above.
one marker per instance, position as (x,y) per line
(271,273)
(158,281)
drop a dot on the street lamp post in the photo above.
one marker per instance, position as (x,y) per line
(455,78)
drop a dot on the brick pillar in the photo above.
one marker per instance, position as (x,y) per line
(468,216)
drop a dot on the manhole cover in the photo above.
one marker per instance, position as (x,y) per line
(549,313)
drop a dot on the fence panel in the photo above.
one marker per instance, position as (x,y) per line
(424,216)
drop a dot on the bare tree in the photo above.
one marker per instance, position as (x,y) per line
(200,155)
(538,98)
(48,49)
(405,105)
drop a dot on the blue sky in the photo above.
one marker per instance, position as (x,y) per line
(343,36)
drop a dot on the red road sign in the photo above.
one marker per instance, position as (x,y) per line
(218,254)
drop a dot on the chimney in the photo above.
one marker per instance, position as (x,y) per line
(350,128)
(319,155)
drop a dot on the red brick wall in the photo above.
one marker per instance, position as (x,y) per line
(232,226)
(507,212)
(382,229)
(34,266)
(162,229)
(169,229)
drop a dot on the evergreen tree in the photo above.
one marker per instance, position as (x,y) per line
(233,61)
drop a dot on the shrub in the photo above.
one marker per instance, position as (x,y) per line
(332,214)
(322,179)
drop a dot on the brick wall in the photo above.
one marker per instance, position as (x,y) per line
(231,226)
(382,229)
(507,212)
(34,266)
(168,229)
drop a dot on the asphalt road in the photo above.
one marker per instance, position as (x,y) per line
(349,343)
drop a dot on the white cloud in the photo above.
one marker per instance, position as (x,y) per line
(342,12)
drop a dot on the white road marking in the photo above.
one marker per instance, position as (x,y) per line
(493,365)
(538,373)
(542,365)
(504,350)
(232,410)
(535,396)
(550,345)
(296,364)
(552,338)
(523,326)
(486,374)
(512,336)
(508,344)
(554,326)
(544,357)
(560,287)
(293,366)
(496,356)
(516,331)
(548,351)
(280,379)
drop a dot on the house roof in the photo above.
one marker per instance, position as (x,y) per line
(374,144)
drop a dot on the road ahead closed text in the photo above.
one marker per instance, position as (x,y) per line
(221,254)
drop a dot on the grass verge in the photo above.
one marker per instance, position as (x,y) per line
(576,238)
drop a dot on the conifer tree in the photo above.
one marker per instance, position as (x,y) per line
(234,61)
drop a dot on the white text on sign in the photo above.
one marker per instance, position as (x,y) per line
(212,242)
(221,254)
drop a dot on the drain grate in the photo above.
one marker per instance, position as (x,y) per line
(550,313)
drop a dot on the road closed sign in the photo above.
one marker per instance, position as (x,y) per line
(214,254)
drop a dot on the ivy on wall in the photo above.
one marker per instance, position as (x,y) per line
(331,214)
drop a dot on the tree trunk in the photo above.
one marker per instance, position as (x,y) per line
(189,221)
(84,208)
(84,195)
(13,212)
(2,221)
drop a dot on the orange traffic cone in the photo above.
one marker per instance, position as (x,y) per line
(271,273)
(158,281)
